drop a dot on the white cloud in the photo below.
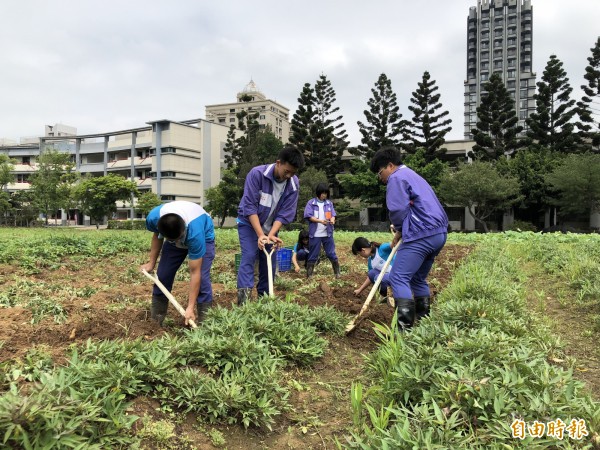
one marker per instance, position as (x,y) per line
(102,66)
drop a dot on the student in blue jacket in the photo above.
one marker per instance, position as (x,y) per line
(320,214)
(300,252)
(269,201)
(422,224)
(181,229)
(376,254)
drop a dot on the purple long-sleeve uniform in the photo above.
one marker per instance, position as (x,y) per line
(258,196)
(414,207)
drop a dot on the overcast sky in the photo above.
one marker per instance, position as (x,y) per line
(110,65)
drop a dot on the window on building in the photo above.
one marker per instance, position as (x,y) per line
(26,160)
(522,114)
(262,117)
(485,66)
(485,45)
(498,44)
(232,119)
(167,197)
(512,31)
(484,77)
(523,104)
(168,150)
(167,174)
(511,41)
(524,83)
(525,68)
(485,35)
(221,119)
(511,62)
(498,65)
(511,73)
(485,55)
(498,33)
(232,110)
(511,84)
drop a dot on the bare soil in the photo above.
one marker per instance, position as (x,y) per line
(120,310)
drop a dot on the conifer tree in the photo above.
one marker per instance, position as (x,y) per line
(384,125)
(330,136)
(303,123)
(232,150)
(429,126)
(551,125)
(497,129)
(589,106)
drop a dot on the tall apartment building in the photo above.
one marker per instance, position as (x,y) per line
(500,39)
(251,99)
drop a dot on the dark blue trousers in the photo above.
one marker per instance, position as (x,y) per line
(171,258)
(249,247)
(314,247)
(385,281)
(412,265)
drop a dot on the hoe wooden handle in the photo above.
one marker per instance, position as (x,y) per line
(353,322)
(172,300)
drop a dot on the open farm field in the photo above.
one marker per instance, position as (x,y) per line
(83,366)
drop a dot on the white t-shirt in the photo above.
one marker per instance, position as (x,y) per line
(321,229)
(277,191)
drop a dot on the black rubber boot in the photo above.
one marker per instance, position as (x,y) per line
(336,267)
(406,313)
(310,267)
(383,291)
(244,295)
(422,307)
(158,310)
(202,310)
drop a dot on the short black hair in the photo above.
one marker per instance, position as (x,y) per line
(171,226)
(384,156)
(301,236)
(322,188)
(291,155)
(358,244)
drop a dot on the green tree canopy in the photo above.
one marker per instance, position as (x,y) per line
(222,200)
(497,128)
(384,125)
(530,166)
(432,172)
(551,126)
(6,168)
(363,184)
(577,180)
(589,106)
(146,202)
(54,170)
(481,189)
(429,125)
(98,195)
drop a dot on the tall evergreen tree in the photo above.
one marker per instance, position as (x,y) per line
(303,123)
(551,125)
(589,106)
(429,126)
(232,150)
(497,129)
(384,124)
(331,137)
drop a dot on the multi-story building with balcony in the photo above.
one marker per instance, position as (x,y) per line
(176,160)
(499,39)
(270,113)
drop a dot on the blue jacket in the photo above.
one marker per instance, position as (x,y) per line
(414,207)
(312,210)
(199,225)
(257,198)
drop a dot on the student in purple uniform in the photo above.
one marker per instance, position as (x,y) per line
(269,201)
(320,214)
(188,231)
(422,224)
(300,252)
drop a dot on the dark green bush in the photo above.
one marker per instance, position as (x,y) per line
(136,224)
